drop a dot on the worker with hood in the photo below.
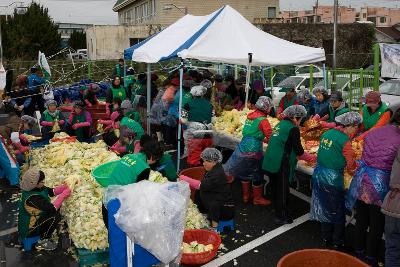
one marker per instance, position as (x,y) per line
(213,193)
(280,159)
(116,90)
(336,108)
(244,163)
(322,101)
(289,99)
(52,120)
(335,154)
(306,100)
(80,122)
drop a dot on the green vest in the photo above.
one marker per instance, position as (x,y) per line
(118,71)
(80,132)
(119,92)
(128,169)
(276,148)
(186,97)
(130,149)
(168,166)
(133,125)
(137,89)
(330,153)
(128,80)
(134,115)
(200,110)
(50,118)
(369,120)
(287,103)
(27,215)
(251,129)
(334,113)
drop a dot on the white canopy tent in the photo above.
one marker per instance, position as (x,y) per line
(224,36)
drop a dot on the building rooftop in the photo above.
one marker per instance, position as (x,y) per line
(392,32)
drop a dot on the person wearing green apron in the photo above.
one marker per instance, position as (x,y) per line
(50,117)
(375,114)
(129,112)
(280,159)
(79,122)
(289,99)
(38,214)
(328,194)
(244,163)
(129,78)
(336,108)
(116,90)
(119,69)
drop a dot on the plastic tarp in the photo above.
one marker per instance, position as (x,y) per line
(224,36)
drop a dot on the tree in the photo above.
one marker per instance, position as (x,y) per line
(25,34)
(77,40)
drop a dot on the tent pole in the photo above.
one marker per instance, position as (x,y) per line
(178,163)
(148,97)
(325,77)
(236,72)
(248,78)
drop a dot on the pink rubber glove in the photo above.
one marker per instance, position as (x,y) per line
(71,117)
(117,148)
(61,122)
(59,189)
(61,197)
(80,125)
(194,184)
(21,148)
(307,157)
(47,123)
(329,125)
(317,117)
(105,122)
(114,115)
(88,103)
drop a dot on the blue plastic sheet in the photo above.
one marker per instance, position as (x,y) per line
(378,178)
(328,196)
(245,165)
(71,93)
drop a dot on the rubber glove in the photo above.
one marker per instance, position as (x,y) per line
(118,148)
(61,198)
(80,124)
(329,125)
(317,117)
(108,112)
(61,122)
(88,103)
(307,157)
(21,148)
(194,184)
(59,189)
(47,123)
(23,139)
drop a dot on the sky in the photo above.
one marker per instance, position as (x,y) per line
(100,11)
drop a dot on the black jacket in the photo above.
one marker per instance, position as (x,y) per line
(215,192)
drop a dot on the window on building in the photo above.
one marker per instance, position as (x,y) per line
(318,18)
(364,15)
(382,19)
(133,41)
(304,20)
(372,19)
(271,12)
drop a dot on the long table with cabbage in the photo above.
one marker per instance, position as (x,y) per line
(72,163)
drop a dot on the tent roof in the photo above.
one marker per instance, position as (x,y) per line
(223,36)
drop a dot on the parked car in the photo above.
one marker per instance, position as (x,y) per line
(305,69)
(298,82)
(343,85)
(80,54)
(390,93)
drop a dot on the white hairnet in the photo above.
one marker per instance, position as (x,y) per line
(211,155)
(295,111)
(198,90)
(126,104)
(206,83)
(320,89)
(304,94)
(264,103)
(51,102)
(15,137)
(351,118)
(28,119)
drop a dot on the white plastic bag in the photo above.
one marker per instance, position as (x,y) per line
(153,216)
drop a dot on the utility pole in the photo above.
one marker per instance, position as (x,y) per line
(335,21)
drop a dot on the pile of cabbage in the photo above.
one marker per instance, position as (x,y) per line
(232,122)
(62,162)
(194,219)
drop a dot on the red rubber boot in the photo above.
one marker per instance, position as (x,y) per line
(258,198)
(246,191)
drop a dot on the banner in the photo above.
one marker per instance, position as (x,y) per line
(390,57)
(44,65)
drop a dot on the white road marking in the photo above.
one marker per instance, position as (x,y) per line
(8,231)
(257,242)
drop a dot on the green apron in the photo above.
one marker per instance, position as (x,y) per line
(330,152)
(252,136)
(137,89)
(334,113)
(369,120)
(167,167)
(276,150)
(128,169)
(134,115)
(80,132)
(49,118)
(200,110)
(28,216)
(287,103)
(128,80)
(119,93)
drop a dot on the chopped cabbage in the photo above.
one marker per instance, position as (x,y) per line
(195,247)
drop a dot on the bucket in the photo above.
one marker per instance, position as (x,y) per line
(319,258)
(196,173)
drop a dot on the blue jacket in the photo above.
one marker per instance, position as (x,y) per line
(34,81)
(321,108)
